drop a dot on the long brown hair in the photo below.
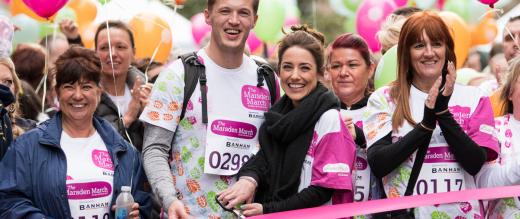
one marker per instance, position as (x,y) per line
(412,33)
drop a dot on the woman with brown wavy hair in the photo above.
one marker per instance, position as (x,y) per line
(425,134)
(306,153)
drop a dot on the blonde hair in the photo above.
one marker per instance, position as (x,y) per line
(18,91)
(388,36)
(508,87)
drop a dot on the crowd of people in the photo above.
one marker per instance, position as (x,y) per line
(208,135)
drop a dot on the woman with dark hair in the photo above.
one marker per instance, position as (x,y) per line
(425,134)
(306,153)
(73,165)
(350,70)
(506,171)
(126,92)
(29,60)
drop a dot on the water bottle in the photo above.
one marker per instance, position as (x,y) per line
(124,203)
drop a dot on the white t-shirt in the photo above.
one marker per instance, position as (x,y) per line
(90,176)
(440,171)
(226,87)
(123,100)
(508,134)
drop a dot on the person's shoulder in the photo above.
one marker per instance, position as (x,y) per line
(329,121)
(466,90)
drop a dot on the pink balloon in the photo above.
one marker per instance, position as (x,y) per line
(370,16)
(45,8)
(440,4)
(290,21)
(400,3)
(199,28)
(253,42)
(491,3)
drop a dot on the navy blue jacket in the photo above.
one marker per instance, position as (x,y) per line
(33,172)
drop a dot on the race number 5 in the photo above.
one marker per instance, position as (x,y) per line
(359,195)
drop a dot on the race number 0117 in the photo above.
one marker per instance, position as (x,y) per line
(226,160)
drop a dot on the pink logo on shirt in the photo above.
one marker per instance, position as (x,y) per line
(361,164)
(102,159)
(88,190)
(255,98)
(460,114)
(439,155)
(233,129)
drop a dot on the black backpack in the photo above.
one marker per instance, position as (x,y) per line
(195,71)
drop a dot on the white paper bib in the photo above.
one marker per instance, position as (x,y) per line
(232,133)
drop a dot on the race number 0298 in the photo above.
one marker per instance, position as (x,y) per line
(226,160)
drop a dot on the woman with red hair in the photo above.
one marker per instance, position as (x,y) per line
(425,134)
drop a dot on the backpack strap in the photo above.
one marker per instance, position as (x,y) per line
(194,71)
(266,72)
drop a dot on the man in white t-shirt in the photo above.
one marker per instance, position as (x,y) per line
(187,161)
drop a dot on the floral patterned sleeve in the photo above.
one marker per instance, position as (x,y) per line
(377,121)
(165,105)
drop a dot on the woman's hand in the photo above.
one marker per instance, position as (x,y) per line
(441,104)
(253,209)
(451,77)
(433,93)
(134,214)
(347,120)
(134,107)
(69,28)
(242,191)
(144,94)
(177,211)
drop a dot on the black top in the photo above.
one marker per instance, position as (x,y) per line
(285,137)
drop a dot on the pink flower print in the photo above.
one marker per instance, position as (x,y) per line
(460,217)
(509,134)
(190,105)
(477,216)
(465,207)
(507,144)
(192,120)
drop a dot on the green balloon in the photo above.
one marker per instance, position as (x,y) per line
(271,16)
(65,13)
(350,25)
(47,29)
(29,30)
(352,5)
(460,7)
(104,1)
(386,70)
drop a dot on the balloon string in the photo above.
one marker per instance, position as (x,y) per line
(110,52)
(498,13)
(151,60)
(493,10)
(45,73)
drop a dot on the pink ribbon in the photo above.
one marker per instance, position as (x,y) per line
(382,205)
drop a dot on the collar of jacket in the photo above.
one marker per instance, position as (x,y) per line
(360,104)
(52,128)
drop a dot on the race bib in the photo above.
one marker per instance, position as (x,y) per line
(362,176)
(440,172)
(229,145)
